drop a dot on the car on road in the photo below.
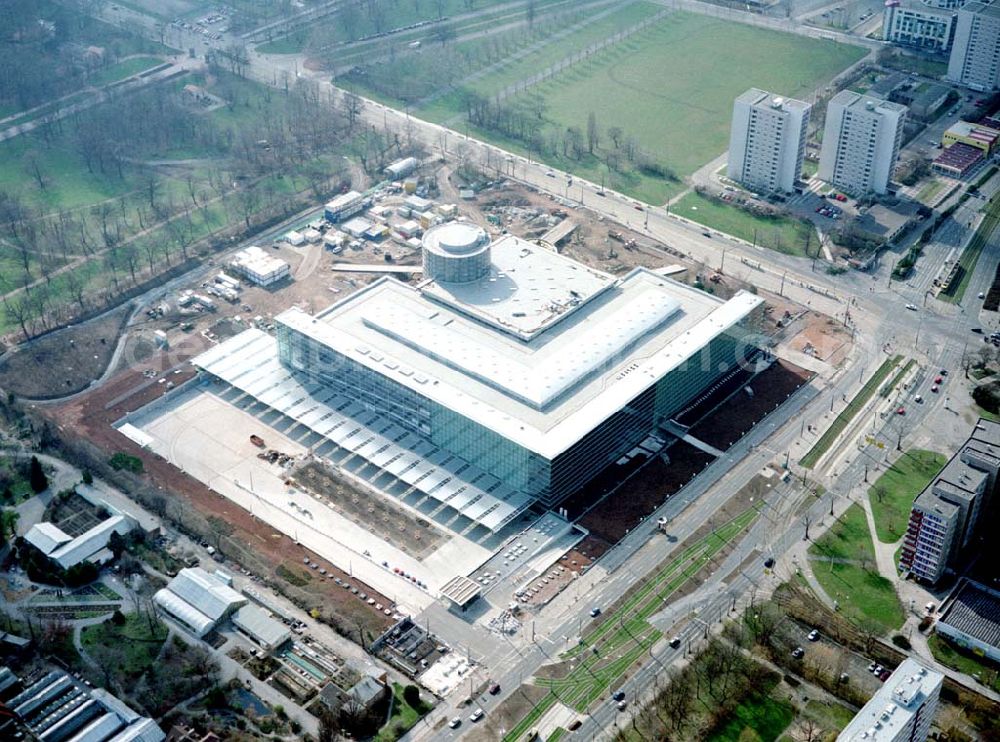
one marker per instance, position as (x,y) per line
(574,725)
(619,695)
(595,612)
(944,372)
(982,294)
(901,411)
(637,207)
(707,234)
(919,399)
(798,653)
(476,715)
(769,563)
(455,723)
(494,689)
(675,642)
(600,193)
(912,307)
(550,174)
(813,636)
(939,380)
(622,705)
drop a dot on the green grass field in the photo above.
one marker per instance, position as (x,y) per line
(892,493)
(765,715)
(783,234)
(130,649)
(121,70)
(959,659)
(853,407)
(403,717)
(844,565)
(970,255)
(671,89)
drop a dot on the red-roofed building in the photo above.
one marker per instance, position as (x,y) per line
(958,160)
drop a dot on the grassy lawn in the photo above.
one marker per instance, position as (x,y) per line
(972,251)
(766,716)
(964,661)
(784,234)
(130,649)
(863,594)
(403,717)
(831,716)
(667,87)
(121,70)
(853,407)
(930,190)
(897,377)
(892,493)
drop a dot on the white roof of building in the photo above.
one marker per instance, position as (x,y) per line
(894,704)
(255,622)
(46,537)
(90,542)
(205,592)
(545,393)
(344,199)
(181,609)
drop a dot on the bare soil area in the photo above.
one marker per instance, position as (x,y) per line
(631,503)
(69,359)
(737,415)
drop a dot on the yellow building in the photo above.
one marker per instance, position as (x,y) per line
(974,135)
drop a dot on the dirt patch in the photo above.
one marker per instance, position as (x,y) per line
(70,358)
(649,488)
(737,415)
(254,544)
(821,337)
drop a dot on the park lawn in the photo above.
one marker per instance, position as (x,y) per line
(784,234)
(403,717)
(851,576)
(131,648)
(768,717)
(121,70)
(833,717)
(551,53)
(672,86)
(892,494)
(848,539)
(959,659)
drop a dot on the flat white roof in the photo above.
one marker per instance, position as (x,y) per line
(894,704)
(546,393)
(529,288)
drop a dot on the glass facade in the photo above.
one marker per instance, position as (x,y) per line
(549,480)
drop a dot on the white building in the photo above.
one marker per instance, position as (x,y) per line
(767,141)
(343,206)
(261,628)
(401,168)
(902,709)
(89,546)
(861,142)
(258,267)
(917,24)
(199,600)
(975,54)
(57,707)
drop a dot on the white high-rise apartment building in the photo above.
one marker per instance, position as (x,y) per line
(975,53)
(902,709)
(861,142)
(767,142)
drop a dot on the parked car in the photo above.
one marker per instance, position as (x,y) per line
(813,636)
(595,612)
(619,695)
(798,653)
(675,642)
(455,723)
(476,715)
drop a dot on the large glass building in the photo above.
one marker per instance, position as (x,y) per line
(528,372)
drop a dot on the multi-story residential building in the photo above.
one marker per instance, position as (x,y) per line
(917,24)
(902,709)
(944,516)
(861,142)
(975,53)
(767,142)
